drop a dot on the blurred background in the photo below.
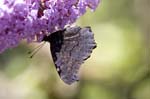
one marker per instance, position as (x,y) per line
(117,69)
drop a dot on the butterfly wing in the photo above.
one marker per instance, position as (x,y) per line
(70,48)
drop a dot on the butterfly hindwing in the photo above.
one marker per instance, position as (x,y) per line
(70,48)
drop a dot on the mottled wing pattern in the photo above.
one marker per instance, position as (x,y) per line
(70,48)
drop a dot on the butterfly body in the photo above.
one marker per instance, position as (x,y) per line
(70,48)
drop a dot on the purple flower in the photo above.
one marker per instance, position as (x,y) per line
(32,19)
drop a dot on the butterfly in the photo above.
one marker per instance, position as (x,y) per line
(70,47)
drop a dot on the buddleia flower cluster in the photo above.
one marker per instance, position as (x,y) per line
(32,19)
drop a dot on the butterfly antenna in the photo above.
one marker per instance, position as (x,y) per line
(35,50)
